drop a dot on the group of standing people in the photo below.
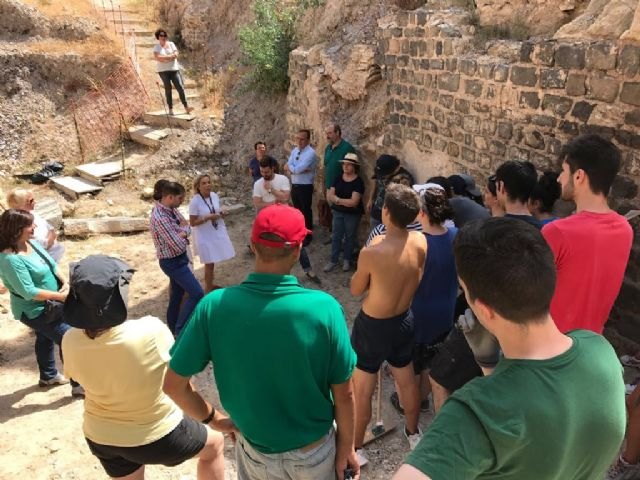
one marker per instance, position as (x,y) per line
(549,398)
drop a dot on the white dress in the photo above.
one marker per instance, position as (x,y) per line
(212,244)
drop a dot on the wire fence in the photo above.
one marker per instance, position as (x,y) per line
(104,113)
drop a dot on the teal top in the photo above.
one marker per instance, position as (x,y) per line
(276,349)
(27,275)
(556,419)
(332,157)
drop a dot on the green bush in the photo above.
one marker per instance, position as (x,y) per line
(267,41)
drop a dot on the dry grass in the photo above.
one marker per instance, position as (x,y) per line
(53,8)
(96,45)
(216,87)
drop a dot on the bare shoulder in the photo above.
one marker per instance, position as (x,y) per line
(418,239)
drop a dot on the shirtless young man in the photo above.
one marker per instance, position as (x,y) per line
(390,269)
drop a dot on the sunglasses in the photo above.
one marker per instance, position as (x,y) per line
(162,35)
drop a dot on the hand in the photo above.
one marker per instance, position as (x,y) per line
(485,347)
(267,185)
(183,234)
(184,223)
(286,168)
(223,423)
(349,461)
(214,216)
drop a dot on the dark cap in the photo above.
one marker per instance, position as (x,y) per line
(385,165)
(98,293)
(464,184)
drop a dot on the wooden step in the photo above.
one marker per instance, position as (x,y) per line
(188,94)
(74,186)
(99,173)
(160,118)
(110,11)
(145,43)
(128,20)
(188,83)
(147,135)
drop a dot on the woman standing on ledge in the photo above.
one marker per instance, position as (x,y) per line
(166,55)
(210,233)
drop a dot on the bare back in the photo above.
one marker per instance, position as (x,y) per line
(393,267)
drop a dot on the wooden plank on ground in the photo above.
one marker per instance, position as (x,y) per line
(87,226)
(74,186)
(97,172)
(50,210)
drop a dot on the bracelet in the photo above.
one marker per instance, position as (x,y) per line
(207,420)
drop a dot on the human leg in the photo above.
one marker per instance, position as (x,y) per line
(409,396)
(211,457)
(183,276)
(137,475)
(176,293)
(176,79)
(631,453)
(337,236)
(307,208)
(351,223)
(208,277)
(364,384)
(166,82)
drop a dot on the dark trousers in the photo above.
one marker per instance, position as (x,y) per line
(301,196)
(175,77)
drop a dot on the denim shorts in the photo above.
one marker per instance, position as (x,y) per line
(318,463)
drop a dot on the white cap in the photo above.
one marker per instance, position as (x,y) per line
(419,188)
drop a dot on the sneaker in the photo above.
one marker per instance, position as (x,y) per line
(59,379)
(362,460)
(622,470)
(313,277)
(395,402)
(77,391)
(413,439)
(329,266)
(170,112)
(629,388)
(346,266)
(630,361)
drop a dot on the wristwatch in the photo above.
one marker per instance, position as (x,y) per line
(207,420)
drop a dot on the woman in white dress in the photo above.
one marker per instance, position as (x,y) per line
(211,239)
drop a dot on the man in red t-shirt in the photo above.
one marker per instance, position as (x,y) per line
(592,246)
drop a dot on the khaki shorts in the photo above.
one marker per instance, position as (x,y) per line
(318,463)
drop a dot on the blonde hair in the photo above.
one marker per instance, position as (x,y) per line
(196,182)
(17,198)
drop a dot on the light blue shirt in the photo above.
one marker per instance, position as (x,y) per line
(299,161)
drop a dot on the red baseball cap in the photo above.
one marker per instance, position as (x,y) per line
(283,221)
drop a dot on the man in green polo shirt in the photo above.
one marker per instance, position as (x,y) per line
(335,151)
(282,361)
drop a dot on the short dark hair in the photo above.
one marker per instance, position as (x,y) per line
(519,178)
(12,223)
(159,31)
(337,129)
(436,205)
(491,185)
(306,131)
(443,182)
(273,254)
(546,191)
(172,188)
(403,204)
(507,264)
(268,162)
(255,146)
(598,157)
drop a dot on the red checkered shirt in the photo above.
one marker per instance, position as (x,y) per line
(165,231)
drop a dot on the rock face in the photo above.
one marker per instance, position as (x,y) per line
(601,19)
(633,34)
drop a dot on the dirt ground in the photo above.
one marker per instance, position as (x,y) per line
(42,428)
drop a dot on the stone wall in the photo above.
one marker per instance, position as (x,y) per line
(451,109)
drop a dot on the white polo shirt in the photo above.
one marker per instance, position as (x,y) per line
(279,182)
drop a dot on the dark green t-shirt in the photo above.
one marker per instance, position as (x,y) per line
(556,419)
(332,157)
(276,349)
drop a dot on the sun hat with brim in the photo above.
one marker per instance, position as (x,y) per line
(283,221)
(351,158)
(98,292)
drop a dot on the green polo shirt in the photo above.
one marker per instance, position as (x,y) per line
(332,157)
(276,349)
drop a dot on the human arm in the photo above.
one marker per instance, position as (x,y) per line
(166,230)
(483,344)
(361,278)
(352,202)
(18,280)
(305,164)
(407,472)
(195,220)
(331,195)
(344,413)
(258,203)
(181,391)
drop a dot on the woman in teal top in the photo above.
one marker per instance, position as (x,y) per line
(27,271)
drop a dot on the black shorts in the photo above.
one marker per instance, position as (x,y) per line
(424,353)
(182,443)
(375,341)
(454,365)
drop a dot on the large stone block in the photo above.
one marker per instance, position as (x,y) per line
(570,56)
(582,110)
(553,78)
(631,93)
(505,130)
(534,139)
(468,66)
(449,81)
(462,106)
(602,87)
(525,76)
(473,87)
(501,73)
(601,56)
(543,53)
(471,124)
(576,84)
(559,105)
(529,100)
(632,118)
(629,60)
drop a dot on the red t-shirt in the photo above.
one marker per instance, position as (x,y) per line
(591,251)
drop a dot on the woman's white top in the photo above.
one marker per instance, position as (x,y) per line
(211,244)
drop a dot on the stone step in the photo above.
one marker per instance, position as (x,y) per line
(190,94)
(74,186)
(188,83)
(74,227)
(146,135)
(160,118)
(139,30)
(110,11)
(145,43)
